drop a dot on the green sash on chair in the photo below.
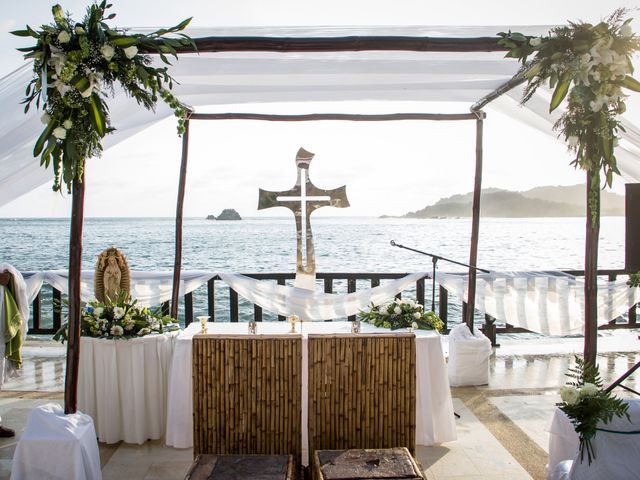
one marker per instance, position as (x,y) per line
(12,323)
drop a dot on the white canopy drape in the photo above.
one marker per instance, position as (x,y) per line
(231,78)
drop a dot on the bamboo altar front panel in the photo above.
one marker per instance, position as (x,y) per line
(247,394)
(362,391)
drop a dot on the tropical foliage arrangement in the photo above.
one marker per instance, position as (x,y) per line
(634,280)
(76,65)
(590,65)
(120,318)
(403,313)
(586,404)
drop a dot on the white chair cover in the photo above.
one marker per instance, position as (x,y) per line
(468,357)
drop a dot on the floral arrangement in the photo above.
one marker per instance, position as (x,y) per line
(403,313)
(589,64)
(75,65)
(120,319)
(634,280)
(586,404)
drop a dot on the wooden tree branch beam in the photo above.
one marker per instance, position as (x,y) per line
(335,116)
(344,44)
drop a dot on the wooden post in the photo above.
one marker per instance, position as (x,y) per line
(75,269)
(475,224)
(591,269)
(177,264)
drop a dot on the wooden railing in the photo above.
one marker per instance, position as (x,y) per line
(444,306)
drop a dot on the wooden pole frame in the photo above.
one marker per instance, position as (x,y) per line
(477,116)
(75,269)
(591,269)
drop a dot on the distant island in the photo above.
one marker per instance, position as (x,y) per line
(227,214)
(550,201)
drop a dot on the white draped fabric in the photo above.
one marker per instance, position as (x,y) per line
(312,306)
(233,78)
(551,303)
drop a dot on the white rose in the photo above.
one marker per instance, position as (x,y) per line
(588,390)
(626,30)
(143,331)
(80,30)
(416,315)
(131,51)
(97,312)
(60,133)
(585,58)
(573,140)
(397,310)
(535,42)
(569,394)
(118,313)
(129,325)
(67,124)
(117,331)
(107,51)
(64,37)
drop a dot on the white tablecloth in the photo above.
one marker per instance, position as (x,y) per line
(434,409)
(563,440)
(55,446)
(123,386)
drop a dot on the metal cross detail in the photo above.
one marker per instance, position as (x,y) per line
(302,200)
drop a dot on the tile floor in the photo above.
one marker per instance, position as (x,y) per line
(502,430)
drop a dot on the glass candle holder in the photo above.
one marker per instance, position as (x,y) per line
(293,319)
(203,323)
(355,326)
(253,327)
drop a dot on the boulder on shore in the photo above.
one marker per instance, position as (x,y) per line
(227,214)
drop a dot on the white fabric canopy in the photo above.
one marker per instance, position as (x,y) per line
(231,78)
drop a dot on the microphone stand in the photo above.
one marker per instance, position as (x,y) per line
(434,260)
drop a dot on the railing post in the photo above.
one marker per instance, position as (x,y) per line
(281,318)
(489,329)
(351,287)
(633,316)
(420,291)
(233,305)
(257,313)
(211,300)
(443,307)
(57,313)
(37,312)
(188,309)
(165,309)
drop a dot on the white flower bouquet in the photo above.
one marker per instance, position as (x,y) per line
(586,404)
(403,313)
(120,319)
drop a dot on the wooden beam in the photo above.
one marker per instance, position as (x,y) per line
(75,269)
(177,263)
(335,116)
(591,271)
(498,92)
(356,43)
(475,227)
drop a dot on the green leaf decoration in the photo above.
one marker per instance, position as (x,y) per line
(562,88)
(44,136)
(96,115)
(631,83)
(124,42)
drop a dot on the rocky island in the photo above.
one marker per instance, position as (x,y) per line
(227,214)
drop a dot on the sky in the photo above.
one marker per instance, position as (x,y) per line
(388,168)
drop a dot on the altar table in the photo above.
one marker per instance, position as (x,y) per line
(434,408)
(122,385)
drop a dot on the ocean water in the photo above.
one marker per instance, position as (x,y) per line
(342,245)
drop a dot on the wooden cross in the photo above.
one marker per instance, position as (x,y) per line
(302,200)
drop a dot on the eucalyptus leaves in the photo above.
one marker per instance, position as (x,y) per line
(76,64)
(590,65)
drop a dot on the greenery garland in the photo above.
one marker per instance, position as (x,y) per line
(589,64)
(586,404)
(75,65)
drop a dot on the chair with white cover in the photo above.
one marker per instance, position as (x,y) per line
(617,452)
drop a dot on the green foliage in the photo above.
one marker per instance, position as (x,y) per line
(75,65)
(588,65)
(118,319)
(634,280)
(403,313)
(587,404)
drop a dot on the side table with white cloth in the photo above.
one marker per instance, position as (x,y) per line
(122,385)
(616,446)
(434,408)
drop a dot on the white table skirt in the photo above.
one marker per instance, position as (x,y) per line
(122,385)
(434,408)
(563,440)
